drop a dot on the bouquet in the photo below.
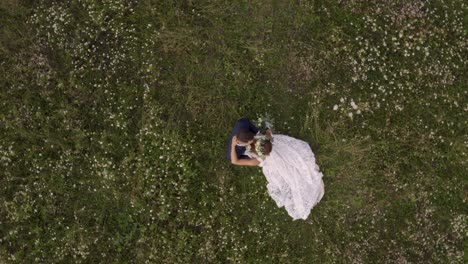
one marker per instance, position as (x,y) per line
(263,123)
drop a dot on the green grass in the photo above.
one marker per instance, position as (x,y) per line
(115,116)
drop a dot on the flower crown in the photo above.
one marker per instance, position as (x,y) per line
(259,144)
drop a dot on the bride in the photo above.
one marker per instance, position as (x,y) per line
(294,179)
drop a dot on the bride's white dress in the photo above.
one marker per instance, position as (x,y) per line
(294,179)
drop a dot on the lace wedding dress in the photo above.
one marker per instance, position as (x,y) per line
(294,179)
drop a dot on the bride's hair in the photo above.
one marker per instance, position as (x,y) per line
(245,135)
(262,147)
(267,147)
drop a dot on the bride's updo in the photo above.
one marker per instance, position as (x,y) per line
(263,147)
(267,147)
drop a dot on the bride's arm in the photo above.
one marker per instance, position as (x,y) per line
(269,134)
(241,162)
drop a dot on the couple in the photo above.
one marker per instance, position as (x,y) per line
(294,179)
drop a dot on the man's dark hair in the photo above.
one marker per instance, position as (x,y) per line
(245,135)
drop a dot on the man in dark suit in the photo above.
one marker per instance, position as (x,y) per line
(244,132)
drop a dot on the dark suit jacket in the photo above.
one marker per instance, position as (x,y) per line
(242,123)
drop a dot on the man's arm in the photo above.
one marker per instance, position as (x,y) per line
(242,162)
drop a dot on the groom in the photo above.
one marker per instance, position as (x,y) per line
(244,131)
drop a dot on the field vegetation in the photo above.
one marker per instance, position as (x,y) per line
(115,117)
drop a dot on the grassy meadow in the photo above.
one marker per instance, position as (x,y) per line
(115,116)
